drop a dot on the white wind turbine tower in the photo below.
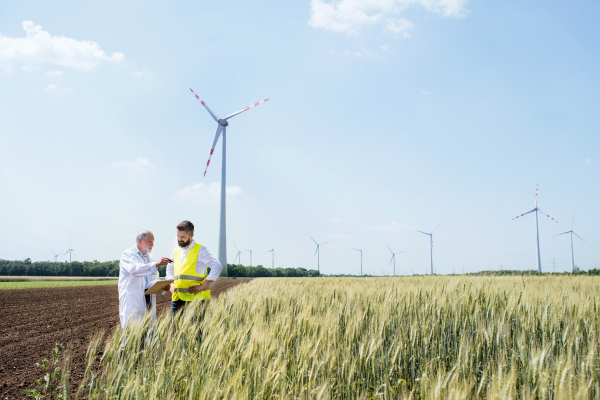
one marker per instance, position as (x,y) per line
(70,251)
(572,233)
(250,251)
(393,257)
(361,257)
(222,125)
(431,239)
(272,256)
(537,230)
(238,257)
(318,253)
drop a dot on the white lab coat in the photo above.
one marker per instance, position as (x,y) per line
(135,270)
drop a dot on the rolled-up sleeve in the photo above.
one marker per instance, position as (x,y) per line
(170,273)
(134,267)
(206,258)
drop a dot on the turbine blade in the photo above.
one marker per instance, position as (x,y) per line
(389,249)
(543,213)
(67,251)
(314,241)
(324,242)
(236,247)
(519,216)
(392,259)
(205,106)
(579,237)
(212,149)
(244,109)
(562,233)
(436,227)
(317,249)
(422,232)
(572,221)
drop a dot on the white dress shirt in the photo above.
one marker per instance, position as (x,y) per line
(135,271)
(205,260)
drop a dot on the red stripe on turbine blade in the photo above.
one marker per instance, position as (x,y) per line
(211,151)
(191,90)
(266,99)
(198,97)
(246,108)
(202,103)
(256,104)
(207,163)
(204,173)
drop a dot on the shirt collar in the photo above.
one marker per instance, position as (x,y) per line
(192,244)
(137,250)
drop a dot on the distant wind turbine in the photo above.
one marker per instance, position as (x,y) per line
(318,253)
(361,257)
(273,256)
(431,239)
(70,251)
(537,230)
(238,256)
(250,251)
(393,257)
(222,125)
(55,255)
(572,233)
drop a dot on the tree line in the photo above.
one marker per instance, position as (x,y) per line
(111,269)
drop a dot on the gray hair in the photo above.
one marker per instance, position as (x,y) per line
(143,234)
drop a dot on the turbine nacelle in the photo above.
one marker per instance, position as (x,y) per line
(223,122)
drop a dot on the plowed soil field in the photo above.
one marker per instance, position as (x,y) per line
(32,321)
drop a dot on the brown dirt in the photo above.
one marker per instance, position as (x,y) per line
(32,321)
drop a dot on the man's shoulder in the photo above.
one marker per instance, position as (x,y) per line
(129,252)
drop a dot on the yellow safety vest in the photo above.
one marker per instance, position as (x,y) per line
(186,276)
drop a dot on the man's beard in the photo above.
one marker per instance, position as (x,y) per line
(148,251)
(184,244)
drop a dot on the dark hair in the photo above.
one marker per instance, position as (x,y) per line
(186,226)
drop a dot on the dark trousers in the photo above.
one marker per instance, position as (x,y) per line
(179,305)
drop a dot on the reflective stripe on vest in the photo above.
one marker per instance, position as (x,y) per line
(186,275)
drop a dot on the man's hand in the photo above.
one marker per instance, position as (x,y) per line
(163,261)
(166,287)
(172,288)
(200,288)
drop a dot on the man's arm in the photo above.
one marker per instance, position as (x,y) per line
(130,263)
(205,257)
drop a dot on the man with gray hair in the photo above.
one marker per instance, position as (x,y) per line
(136,270)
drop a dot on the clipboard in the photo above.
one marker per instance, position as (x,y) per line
(156,286)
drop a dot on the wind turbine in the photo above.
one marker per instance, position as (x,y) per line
(537,230)
(393,257)
(272,256)
(238,256)
(572,233)
(250,250)
(431,238)
(361,257)
(70,251)
(318,253)
(222,125)
(55,255)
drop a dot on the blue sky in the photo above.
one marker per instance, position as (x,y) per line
(384,117)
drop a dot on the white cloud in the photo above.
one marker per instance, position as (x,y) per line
(201,194)
(53,74)
(426,92)
(385,47)
(350,16)
(140,164)
(337,220)
(38,47)
(392,227)
(588,161)
(52,88)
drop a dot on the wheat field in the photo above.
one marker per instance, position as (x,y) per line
(374,338)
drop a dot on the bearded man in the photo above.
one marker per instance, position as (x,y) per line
(189,269)
(136,270)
